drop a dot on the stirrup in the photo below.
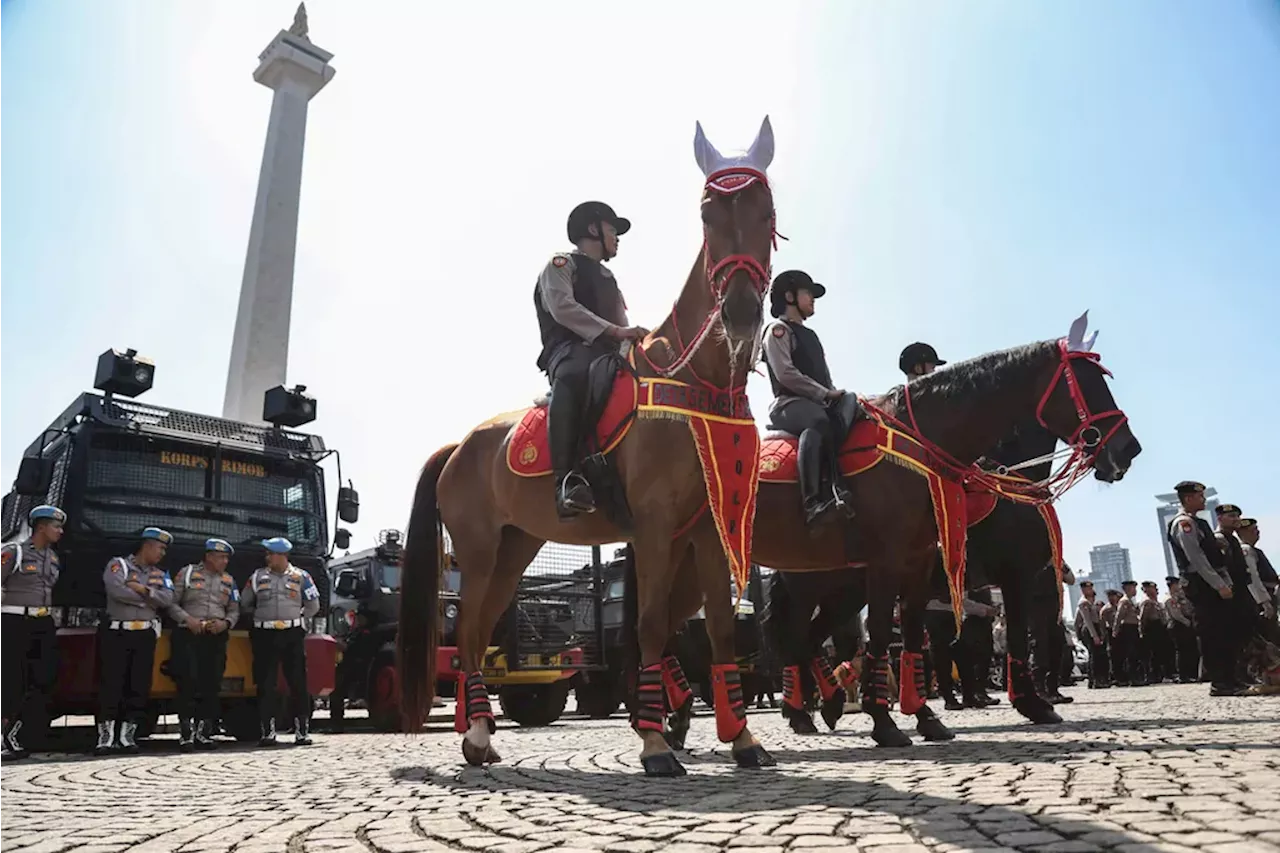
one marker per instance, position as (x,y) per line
(566,503)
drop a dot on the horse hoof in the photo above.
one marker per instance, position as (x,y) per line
(662,765)
(1036,710)
(932,729)
(832,711)
(801,723)
(478,756)
(754,757)
(887,734)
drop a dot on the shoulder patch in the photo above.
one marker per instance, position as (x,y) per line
(559,261)
(1186,525)
(779,330)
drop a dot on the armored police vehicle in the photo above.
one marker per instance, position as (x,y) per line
(117,466)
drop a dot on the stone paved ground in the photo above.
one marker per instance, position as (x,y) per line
(1162,768)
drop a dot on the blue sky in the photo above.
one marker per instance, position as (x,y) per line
(974,175)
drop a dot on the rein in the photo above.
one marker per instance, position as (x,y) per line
(726,182)
(1085,442)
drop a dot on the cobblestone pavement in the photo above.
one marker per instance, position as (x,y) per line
(1159,768)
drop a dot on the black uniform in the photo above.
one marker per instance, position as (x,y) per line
(1202,575)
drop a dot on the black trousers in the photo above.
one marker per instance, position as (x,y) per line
(272,651)
(125,660)
(568,369)
(1187,648)
(1126,655)
(979,648)
(941,626)
(29,656)
(1217,619)
(1099,666)
(1157,655)
(197,663)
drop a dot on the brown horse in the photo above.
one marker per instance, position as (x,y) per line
(498,521)
(961,411)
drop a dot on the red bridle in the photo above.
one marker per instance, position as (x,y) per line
(725,182)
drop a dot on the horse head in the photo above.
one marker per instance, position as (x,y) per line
(738,220)
(1077,405)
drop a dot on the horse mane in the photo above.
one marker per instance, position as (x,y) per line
(964,379)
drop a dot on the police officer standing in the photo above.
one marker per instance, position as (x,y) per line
(806,402)
(1108,616)
(137,590)
(281,598)
(581,316)
(28,572)
(1205,577)
(1090,630)
(1183,631)
(1155,634)
(1128,638)
(1250,533)
(206,605)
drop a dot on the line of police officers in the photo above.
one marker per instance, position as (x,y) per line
(205,605)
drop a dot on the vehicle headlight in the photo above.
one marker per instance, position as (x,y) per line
(451,611)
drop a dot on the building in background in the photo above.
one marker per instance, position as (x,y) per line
(1168,508)
(1108,565)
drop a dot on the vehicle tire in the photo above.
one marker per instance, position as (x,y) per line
(384,696)
(534,705)
(600,698)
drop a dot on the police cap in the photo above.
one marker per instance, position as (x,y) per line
(1248,522)
(589,213)
(46,512)
(218,546)
(156,534)
(1172,579)
(278,545)
(918,353)
(1149,585)
(789,282)
(1086,583)
(1223,509)
(1188,487)
(1128,583)
(1114,592)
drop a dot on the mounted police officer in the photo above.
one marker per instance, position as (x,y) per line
(919,359)
(1207,582)
(581,316)
(281,598)
(206,605)
(806,402)
(28,572)
(137,590)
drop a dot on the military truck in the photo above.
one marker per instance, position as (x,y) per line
(535,652)
(117,466)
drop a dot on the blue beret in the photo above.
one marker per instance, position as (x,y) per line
(46,511)
(164,537)
(220,546)
(278,545)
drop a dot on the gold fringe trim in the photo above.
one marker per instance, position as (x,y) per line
(660,415)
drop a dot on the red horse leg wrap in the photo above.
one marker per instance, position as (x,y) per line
(677,686)
(826,679)
(847,677)
(911,687)
(649,707)
(478,707)
(460,705)
(731,712)
(1018,677)
(875,683)
(791,694)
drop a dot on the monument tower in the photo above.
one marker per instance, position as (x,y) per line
(295,69)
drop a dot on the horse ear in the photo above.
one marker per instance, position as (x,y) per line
(1075,336)
(709,159)
(760,155)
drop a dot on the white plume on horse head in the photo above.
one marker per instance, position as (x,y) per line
(757,157)
(1075,336)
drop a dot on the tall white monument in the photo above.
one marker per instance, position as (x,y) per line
(295,69)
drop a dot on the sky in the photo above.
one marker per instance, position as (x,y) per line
(971,175)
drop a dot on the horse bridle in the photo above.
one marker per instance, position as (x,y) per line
(725,182)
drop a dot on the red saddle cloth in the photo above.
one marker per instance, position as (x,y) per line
(979,505)
(778,453)
(528,454)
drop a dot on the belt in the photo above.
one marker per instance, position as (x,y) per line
(279,624)
(134,625)
(26,611)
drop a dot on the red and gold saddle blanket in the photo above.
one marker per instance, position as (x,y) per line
(528,454)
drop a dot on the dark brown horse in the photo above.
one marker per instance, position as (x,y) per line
(498,521)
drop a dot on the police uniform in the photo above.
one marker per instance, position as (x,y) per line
(207,596)
(28,573)
(127,642)
(579,306)
(281,602)
(1127,645)
(1205,577)
(1262,566)
(1152,623)
(1182,632)
(1091,631)
(801,382)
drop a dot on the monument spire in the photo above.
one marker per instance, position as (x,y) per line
(295,69)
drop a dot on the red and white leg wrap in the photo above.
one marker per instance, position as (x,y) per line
(822,673)
(1019,680)
(731,711)
(675,684)
(875,683)
(791,694)
(477,701)
(649,705)
(911,687)
(847,677)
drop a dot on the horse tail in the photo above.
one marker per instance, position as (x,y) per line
(417,634)
(629,636)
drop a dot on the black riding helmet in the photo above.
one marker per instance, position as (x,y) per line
(789,282)
(918,353)
(594,213)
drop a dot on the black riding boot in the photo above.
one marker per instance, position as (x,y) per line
(811,462)
(564,421)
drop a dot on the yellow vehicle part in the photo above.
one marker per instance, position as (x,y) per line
(237,677)
(495,671)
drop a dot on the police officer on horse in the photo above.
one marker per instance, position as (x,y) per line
(919,359)
(806,403)
(581,316)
